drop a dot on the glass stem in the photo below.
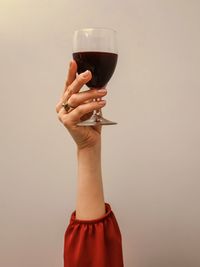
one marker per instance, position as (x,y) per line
(98,111)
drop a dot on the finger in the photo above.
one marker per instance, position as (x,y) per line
(84,109)
(71,76)
(82,97)
(72,118)
(80,80)
(76,99)
(78,83)
(75,83)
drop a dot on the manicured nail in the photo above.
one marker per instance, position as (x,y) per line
(102,91)
(102,102)
(85,74)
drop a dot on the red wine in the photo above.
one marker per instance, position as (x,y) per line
(101,65)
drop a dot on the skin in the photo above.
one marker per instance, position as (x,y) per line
(90,197)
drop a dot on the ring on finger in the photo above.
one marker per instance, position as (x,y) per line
(67,107)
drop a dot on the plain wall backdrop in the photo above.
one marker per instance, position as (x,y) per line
(151,159)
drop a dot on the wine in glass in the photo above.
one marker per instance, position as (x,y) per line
(95,49)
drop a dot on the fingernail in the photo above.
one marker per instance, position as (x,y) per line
(102,102)
(102,91)
(85,74)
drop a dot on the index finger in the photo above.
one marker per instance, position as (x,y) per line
(71,76)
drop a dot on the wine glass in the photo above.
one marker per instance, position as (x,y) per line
(95,49)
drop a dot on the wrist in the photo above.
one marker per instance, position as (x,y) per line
(89,158)
(89,149)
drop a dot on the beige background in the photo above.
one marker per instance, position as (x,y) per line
(151,159)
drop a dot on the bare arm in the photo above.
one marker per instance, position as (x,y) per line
(90,198)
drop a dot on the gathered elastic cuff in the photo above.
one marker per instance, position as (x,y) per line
(100,219)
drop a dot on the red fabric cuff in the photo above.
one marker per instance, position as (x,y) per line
(93,243)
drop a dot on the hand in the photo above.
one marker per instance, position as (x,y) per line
(85,137)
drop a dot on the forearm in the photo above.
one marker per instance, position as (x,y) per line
(90,200)
(90,197)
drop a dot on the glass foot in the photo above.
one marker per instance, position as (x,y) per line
(107,122)
(96,120)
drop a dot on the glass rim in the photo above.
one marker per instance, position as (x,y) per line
(95,28)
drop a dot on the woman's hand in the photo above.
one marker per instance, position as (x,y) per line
(85,137)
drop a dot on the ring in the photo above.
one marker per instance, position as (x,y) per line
(67,107)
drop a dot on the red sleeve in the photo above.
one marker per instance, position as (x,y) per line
(93,243)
